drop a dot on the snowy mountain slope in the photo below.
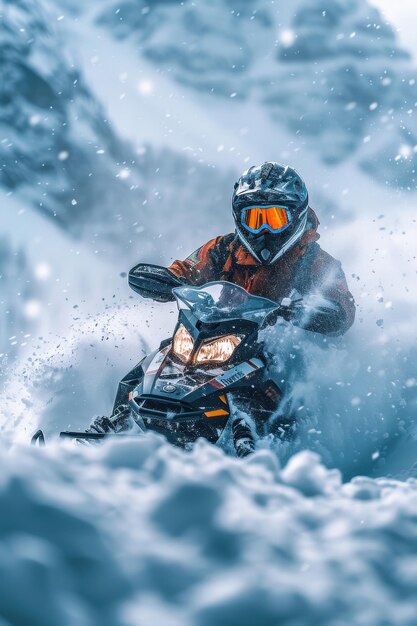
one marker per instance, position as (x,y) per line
(352,92)
(139,533)
(332,74)
(185,43)
(43,98)
(61,155)
(208,47)
(398,15)
(145,104)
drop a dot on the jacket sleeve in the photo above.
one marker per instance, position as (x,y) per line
(328,279)
(200,267)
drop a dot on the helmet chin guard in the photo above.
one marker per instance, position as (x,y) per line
(270,208)
(268,249)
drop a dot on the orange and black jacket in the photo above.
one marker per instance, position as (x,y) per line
(305,267)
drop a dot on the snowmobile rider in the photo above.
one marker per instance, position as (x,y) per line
(273,253)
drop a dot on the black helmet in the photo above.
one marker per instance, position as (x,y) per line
(270,207)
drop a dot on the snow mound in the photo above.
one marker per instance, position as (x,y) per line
(139,533)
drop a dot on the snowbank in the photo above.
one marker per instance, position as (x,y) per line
(139,533)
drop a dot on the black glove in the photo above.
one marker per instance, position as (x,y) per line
(314,313)
(319,315)
(286,310)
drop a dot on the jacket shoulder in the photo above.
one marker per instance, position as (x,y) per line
(215,249)
(219,249)
(221,241)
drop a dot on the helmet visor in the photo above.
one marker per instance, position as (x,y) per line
(272,218)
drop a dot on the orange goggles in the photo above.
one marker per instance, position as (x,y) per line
(272,218)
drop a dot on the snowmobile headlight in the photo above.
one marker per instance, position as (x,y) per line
(218,350)
(183,344)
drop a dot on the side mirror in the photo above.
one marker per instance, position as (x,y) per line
(153,281)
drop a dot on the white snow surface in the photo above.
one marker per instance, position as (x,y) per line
(137,533)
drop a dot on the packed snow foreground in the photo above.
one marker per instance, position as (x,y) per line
(137,532)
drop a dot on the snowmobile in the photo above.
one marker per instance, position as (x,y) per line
(207,378)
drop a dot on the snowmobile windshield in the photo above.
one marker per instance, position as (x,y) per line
(221,301)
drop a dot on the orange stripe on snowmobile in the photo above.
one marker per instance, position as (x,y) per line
(216,413)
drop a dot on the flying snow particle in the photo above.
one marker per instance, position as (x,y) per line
(124,173)
(145,87)
(287,37)
(350,106)
(42,271)
(74,202)
(32,308)
(373,106)
(63,155)
(405,151)
(34,119)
